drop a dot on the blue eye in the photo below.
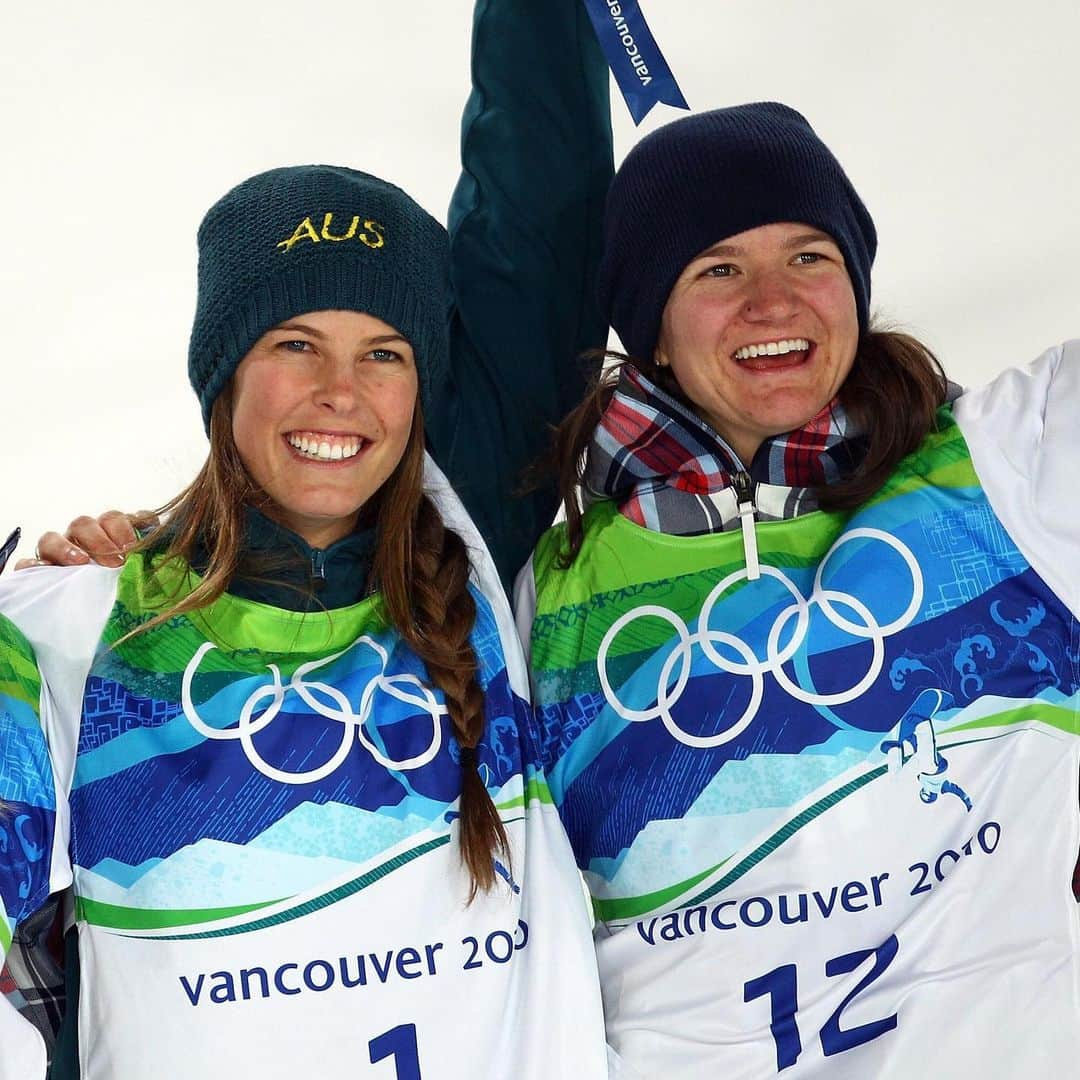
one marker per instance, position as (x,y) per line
(721,270)
(294,346)
(808,258)
(384,356)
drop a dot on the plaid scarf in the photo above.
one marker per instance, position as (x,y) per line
(670,472)
(33,979)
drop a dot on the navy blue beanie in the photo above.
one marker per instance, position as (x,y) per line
(315,238)
(704,178)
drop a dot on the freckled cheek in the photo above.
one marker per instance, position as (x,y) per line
(707,321)
(836,305)
(262,403)
(393,405)
(254,426)
(400,423)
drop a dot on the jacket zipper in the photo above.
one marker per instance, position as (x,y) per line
(744,499)
(318,564)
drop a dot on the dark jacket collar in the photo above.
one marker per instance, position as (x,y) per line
(280,568)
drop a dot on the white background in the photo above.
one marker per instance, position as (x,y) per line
(123,121)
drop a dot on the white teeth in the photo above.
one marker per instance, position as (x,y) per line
(772,348)
(325,450)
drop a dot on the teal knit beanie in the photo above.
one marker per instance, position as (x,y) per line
(315,238)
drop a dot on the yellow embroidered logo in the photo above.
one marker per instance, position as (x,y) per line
(372,236)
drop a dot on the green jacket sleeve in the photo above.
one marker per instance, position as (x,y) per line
(525,229)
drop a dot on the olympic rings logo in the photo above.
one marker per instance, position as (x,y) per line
(675,672)
(405,688)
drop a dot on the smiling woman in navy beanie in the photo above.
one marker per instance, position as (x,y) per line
(801,656)
(710,176)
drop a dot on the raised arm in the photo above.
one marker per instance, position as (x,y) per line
(525,225)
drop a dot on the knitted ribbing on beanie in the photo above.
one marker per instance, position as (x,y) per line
(312,238)
(704,178)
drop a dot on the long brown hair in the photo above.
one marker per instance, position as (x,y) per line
(420,568)
(892,393)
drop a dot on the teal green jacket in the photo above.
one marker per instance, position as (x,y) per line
(525,233)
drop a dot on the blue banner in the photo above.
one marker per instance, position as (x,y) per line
(635,59)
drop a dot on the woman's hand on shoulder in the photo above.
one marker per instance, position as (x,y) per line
(104,540)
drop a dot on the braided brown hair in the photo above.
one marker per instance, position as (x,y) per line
(422,571)
(420,567)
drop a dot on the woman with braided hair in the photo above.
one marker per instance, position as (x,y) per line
(282,817)
(283,755)
(808,663)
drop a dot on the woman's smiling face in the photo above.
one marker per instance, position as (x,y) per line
(760,331)
(322,409)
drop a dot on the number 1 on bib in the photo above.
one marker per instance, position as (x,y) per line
(400,1044)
